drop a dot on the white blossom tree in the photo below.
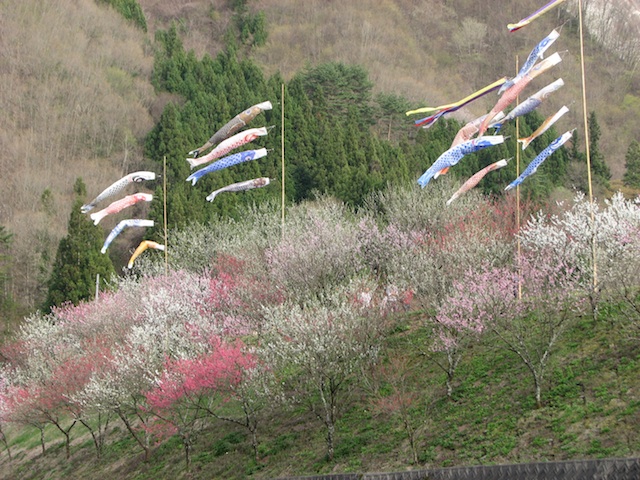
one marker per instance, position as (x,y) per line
(610,231)
(318,348)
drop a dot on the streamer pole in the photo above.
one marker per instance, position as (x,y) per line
(518,192)
(164,200)
(282,153)
(587,152)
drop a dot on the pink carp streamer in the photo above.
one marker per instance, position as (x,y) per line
(232,126)
(475,179)
(116,187)
(543,127)
(229,144)
(468,131)
(512,93)
(527,20)
(530,104)
(141,248)
(120,205)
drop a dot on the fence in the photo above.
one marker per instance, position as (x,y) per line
(603,469)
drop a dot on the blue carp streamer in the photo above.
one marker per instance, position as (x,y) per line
(227,161)
(455,154)
(132,222)
(542,156)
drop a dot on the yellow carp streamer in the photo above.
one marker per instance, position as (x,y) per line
(141,248)
(460,103)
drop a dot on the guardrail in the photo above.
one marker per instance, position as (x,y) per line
(601,469)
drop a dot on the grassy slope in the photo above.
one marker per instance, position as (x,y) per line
(591,410)
(492,418)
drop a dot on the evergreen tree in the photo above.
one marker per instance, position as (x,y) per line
(335,88)
(5,243)
(78,259)
(10,311)
(600,170)
(131,10)
(631,177)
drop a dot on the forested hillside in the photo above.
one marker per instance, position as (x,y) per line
(80,101)
(364,323)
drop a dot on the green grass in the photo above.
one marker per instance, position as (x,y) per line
(591,407)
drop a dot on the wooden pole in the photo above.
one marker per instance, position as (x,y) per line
(164,209)
(587,151)
(282,153)
(518,191)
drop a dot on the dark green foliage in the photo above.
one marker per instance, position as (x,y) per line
(600,173)
(335,88)
(78,259)
(631,176)
(329,144)
(600,170)
(391,118)
(252,27)
(129,9)
(6,301)
(5,242)
(339,140)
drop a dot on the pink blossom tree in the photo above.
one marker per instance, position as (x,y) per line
(318,250)
(476,299)
(186,387)
(426,252)
(169,322)
(22,412)
(395,394)
(238,291)
(4,412)
(36,396)
(528,307)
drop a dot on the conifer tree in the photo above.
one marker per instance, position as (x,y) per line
(78,259)
(598,166)
(631,177)
(5,242)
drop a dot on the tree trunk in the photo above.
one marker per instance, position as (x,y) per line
(6,443)
(42,440)
(142,444)
(186,442)
(538,392)
(331,429)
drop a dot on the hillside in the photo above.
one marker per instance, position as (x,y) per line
(79,98)
(368,319)
(395,335)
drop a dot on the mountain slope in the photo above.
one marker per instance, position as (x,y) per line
(78,100)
